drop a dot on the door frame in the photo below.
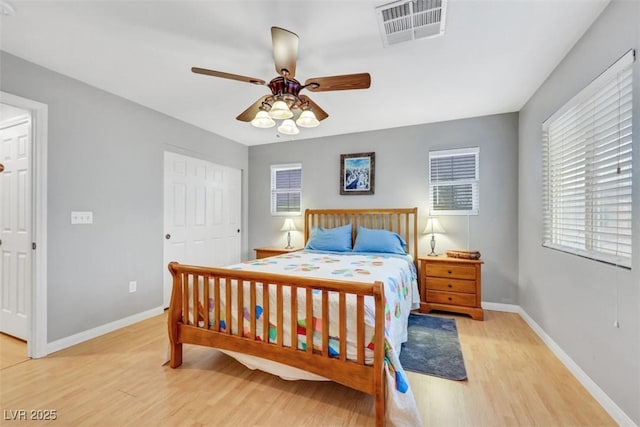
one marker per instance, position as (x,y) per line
(37,337)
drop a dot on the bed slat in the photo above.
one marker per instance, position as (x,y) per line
(227,295)
(360,344)
(195,291)
(216,303)
(240,304)
(265,312)
(325,323)
(185,300)
(279,310)
(342,310)
(309,321)
(294,317)
(207,283)
(252,307)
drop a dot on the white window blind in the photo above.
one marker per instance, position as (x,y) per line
(453,181)
(286,189)
(587,147)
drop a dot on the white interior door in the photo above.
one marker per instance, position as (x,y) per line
(202,214)
(15,228)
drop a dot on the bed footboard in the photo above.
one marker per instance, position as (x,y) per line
(232,310)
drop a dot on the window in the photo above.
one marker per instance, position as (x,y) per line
(286,189)
(453,181)
(587,147)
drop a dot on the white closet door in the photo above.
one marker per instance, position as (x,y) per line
(202,214)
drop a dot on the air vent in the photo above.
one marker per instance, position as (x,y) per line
(403,21)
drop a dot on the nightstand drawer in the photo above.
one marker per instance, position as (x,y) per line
(451,285)
(468,300)
(456,271)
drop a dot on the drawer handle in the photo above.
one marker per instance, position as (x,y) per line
(450,285)
(449,271)
(449,298)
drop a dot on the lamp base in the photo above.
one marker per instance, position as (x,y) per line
(433,246)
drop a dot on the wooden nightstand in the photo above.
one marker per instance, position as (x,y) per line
(267,252)
(451,284)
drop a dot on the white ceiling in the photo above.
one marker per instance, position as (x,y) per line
(491,59)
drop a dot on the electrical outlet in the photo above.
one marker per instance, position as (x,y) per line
(133,285)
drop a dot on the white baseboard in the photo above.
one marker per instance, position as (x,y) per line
(101,330)
(497,306)
(603,399)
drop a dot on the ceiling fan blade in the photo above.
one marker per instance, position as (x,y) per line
(248,114)
(344,82)
(285,51)
(227,75)
(319,112)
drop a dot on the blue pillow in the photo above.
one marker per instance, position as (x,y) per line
(386,241)
(336,239)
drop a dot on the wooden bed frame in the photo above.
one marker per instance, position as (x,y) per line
(189,292)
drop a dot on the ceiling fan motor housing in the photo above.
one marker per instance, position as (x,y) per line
(286,89)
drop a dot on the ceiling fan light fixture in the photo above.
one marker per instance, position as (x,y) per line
(280,110)
(288,127)
(307,119)
(263,120)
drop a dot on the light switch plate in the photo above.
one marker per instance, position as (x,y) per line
(81,218)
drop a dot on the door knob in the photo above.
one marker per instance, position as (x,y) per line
(168,236)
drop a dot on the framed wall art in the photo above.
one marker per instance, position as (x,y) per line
(357,173)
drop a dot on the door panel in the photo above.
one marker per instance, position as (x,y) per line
(15,233)
(202,209)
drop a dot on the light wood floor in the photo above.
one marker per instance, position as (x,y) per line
(12,351)
(118,380)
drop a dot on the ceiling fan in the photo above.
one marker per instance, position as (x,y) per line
(285,89)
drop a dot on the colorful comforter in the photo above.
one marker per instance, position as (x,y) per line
(401,296)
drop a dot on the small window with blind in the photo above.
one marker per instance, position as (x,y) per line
(286,189)
(587,148)
(453,181)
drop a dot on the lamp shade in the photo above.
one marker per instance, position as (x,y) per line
(280,110)
(288,225)
(307,119)
(263,120)
(433,226)
(288,127)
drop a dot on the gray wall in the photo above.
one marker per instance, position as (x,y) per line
(106,156)
(575,300)
(401,181)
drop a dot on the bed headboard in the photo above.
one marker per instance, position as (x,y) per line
(403,221)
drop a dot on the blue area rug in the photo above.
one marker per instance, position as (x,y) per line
(433,348)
